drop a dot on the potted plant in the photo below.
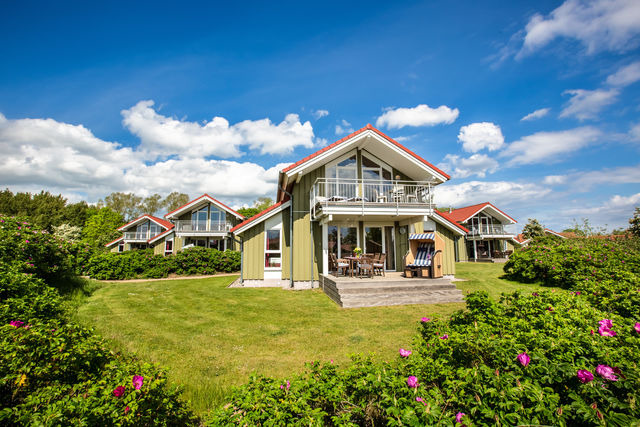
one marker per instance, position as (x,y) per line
(357,251)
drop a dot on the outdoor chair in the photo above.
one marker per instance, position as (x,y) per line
(378,263)
(339,264)
(365,267)
(424,255)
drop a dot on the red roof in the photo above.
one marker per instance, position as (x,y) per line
(164,223)
(462,214)
(367,127)
(206,195)
(256,216)
(520,238)
(157,236)
(451,220)
(113,241)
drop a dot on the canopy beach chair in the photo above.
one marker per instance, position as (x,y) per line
(424,257)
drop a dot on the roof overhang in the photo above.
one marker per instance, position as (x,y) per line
(140,219)
(457,229)
(266,214)
(546,230)
(113,242)
(160,236)
(195,202)
(494,212)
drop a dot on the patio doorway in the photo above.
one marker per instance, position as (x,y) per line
(380,239)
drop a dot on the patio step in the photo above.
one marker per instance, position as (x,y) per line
(366,293)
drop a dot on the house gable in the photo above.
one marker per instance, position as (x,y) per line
(133,223)
(193,204)
(463,215)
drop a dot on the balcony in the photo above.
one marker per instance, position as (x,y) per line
(201,227)
(135,236)
(488,230)
(335,195)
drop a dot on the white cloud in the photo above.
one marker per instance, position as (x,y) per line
(615,210)
(164,136)
(611,25)
(625,75)
(548,146)
(344,127)
(634,132)
(587,104)
(421,115)
(501,193)
(554,179)
(68,159)
(585,181)
(318,114)
(478,136)
(477,164)
(536,114)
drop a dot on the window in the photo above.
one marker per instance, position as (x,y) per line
(272,254)
(199,219)
(168,247)
(218,219)
(141,231)
(154,229)
(377,179)
(121,247)
(342,240)
(343,175)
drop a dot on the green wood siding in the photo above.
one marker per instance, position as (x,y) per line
(302,263)
(402,245)
(462,249)
(510,246)
(253,262)
(448,254)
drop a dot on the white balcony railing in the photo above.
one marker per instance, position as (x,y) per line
(135,235)
(190,226)
(369,193)
(489,230)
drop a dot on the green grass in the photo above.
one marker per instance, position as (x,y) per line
(211,337)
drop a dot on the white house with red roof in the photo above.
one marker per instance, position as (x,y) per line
(365,190)
(138,233)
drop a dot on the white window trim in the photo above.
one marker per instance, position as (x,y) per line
(271,251)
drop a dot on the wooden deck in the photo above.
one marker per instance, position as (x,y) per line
(392,289)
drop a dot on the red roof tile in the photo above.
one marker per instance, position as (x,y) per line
(462,214)
(367,127)
(159,221)
(256,216)
(448,217)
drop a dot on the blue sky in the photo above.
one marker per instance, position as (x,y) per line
(122,97)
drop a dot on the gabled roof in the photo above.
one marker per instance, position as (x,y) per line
(463,214)
(359,131)
(550,231)
(161,222)
(113,242)
(197,200)
(259,217)
(161,235)
(447,217)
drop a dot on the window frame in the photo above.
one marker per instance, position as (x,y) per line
(268,251)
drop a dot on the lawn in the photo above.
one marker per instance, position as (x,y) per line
(211,337)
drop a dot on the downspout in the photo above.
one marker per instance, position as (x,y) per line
(290,235)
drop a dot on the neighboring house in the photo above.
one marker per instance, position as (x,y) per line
(138,233)
(488,236)
(523,241)
(203,222)
(364,190)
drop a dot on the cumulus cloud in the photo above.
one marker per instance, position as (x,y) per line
(554,179)
(421,115)
(477,164)
(615,210)
(536,114)
(478,136)
(500,193)
(586,180)
(549,146)
(587,104)
(625,75)
(164,136)
(611,25)
(343,128)
(69,159)
(318,114)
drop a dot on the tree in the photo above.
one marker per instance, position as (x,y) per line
(533,229)
(70,233)
(102,227)
(174,200)
(258,206)
(152,204)
(586,229)
(634,228)
(76,214)
(126,204)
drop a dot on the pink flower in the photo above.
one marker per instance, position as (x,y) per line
(524,358)
(412,382)
(425,319)
(444,337)
(421,400)
(585,376)
(459,416)
(605,328)
(535,294)
(606,372)
(288,385)
(405,353)
(118,391)
(637,327)
(137,382)
(126,410)
(16,323)
(606,323)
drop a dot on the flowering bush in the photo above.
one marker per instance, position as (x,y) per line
(143,263)
(512,362)
(54,371)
